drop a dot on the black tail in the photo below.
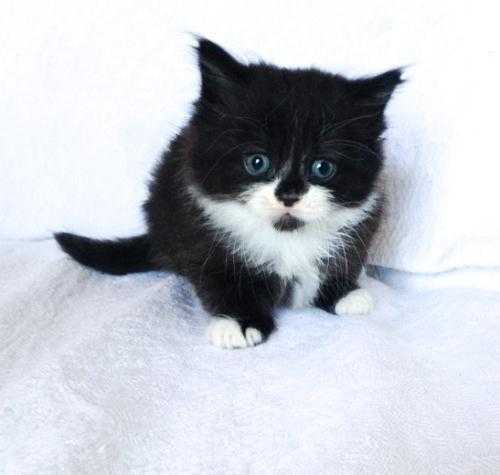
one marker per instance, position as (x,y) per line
(119,257)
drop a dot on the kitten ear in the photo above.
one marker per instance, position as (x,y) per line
(220,72)
(376,91)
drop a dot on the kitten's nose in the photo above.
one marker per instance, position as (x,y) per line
(290,191)
(289,199)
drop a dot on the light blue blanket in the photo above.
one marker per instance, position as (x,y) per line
(102,374)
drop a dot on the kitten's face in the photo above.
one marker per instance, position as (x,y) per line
(292,146)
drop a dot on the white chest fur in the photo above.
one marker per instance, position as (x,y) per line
(293,255)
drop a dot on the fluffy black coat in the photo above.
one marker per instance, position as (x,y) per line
(301,125)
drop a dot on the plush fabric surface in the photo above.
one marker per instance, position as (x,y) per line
(102,374)
(92,92)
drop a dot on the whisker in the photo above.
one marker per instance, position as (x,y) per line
(346,122)
(212,168)
(352,143)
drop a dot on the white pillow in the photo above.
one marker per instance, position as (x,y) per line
(442,173)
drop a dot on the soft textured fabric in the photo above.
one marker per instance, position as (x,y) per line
(92,92)
(103,374)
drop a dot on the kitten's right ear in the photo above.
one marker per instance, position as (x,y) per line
(220,72)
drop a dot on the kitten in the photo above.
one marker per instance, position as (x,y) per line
(268,197)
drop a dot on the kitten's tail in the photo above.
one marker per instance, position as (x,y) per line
(119,257)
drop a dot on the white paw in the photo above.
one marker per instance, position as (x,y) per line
(357,302)
(226,333)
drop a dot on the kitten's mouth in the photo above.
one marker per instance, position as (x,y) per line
(287,222)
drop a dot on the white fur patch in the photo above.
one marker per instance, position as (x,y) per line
(226,333)
(291,254)
(357,302)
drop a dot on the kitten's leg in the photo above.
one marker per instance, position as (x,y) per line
(344,298)
(242,311)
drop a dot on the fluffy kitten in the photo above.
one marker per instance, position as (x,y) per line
(268,197)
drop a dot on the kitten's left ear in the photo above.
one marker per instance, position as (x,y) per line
(376,91)
(220,72)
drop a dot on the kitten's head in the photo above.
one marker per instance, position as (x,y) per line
(292,146)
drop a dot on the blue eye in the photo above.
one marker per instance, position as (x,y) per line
(323,170)
(257,164)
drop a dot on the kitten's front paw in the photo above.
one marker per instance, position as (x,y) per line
(356,302)
(226,333)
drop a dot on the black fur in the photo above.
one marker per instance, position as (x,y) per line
(293,116)
(123,256)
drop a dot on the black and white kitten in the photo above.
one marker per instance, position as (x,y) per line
(268,197)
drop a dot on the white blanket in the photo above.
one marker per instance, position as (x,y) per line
(102,374)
